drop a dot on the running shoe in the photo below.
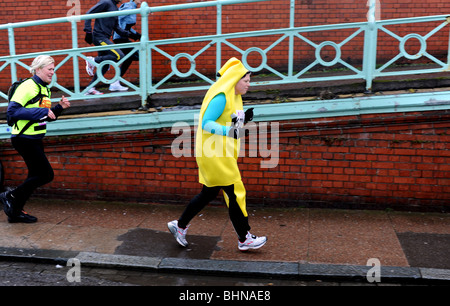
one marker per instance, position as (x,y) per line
(94,91)
(7,201)
(178,232)
(117,87)
(252,242)
(90,66)
(23,217)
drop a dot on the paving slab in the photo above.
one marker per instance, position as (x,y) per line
(302,242)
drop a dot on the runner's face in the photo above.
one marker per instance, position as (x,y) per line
(46,73)
(243,85)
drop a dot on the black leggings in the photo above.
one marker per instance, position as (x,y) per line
(40,171)
(239,221)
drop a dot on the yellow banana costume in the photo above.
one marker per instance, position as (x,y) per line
(217,155)
(221,114)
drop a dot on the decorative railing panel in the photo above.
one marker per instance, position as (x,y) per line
(191,58)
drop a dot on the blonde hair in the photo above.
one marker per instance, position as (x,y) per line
(40,62)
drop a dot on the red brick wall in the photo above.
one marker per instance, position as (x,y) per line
(236,18)
(369,161)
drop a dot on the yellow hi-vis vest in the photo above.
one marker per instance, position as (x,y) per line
(24,93)
(217,155)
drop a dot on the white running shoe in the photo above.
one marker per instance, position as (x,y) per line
(252,242)
(178,233)
(94,91)
(117,87)
(90,66)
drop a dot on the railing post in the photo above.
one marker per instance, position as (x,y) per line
(219,32)
(448,53)
(12,52)
(370,46)
(76,72)
(291,39)
(145,65)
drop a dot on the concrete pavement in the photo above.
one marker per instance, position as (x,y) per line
(302,243)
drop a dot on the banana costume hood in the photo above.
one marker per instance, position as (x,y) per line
(216,154)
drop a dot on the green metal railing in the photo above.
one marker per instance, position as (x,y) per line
(368,71)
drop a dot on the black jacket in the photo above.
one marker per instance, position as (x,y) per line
(104,27)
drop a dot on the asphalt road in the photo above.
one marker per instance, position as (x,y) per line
(176,289)
(16,273)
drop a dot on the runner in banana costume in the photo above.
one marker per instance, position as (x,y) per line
(221,125)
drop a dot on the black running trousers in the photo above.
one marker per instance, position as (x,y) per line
(239,221)
(40,171)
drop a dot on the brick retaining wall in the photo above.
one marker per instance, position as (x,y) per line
(399,161)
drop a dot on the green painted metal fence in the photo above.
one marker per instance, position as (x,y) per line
(368,71)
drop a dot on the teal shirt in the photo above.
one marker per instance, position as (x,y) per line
(213,112)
